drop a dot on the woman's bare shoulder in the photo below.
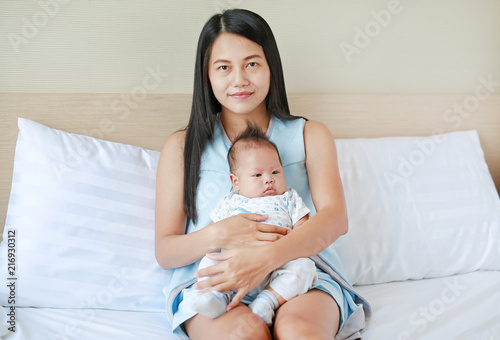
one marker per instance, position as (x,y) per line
(316,130)
(175,142)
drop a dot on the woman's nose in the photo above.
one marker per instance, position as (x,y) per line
(239,78)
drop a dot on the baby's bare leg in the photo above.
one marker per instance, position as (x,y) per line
(281,299)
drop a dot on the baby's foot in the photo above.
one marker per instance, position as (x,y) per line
(263,310)
(211,304)
(264,306)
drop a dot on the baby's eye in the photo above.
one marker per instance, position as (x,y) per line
(257,175)
(275,172)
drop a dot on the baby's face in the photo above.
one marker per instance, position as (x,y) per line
(259,173)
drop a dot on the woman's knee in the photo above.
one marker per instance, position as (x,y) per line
(314,315)
(293,326)
(248,327)
(239,324)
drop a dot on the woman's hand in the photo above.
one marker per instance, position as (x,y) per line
(245,230)
(241,269)
(246,261)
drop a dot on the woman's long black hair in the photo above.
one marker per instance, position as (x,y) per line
(205,106)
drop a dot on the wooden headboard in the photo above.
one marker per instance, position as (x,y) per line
(147,120)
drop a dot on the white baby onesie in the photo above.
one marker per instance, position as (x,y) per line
(283,210)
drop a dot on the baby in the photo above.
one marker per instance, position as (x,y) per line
(259,187)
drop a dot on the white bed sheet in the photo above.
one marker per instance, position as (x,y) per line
(460,307)
(89,324)
(457,307)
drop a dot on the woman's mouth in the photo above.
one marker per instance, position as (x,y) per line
(241,95)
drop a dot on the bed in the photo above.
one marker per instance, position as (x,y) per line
(77,196)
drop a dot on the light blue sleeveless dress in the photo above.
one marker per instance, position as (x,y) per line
(215,183)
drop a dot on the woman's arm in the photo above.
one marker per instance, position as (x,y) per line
(316,234)
(330,221)
(173,247)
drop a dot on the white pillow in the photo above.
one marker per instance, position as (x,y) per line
(83,214)
(418,207)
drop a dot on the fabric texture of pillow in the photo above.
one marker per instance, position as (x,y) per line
(82,210)
(418,207)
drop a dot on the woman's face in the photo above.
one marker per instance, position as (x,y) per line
(239,74)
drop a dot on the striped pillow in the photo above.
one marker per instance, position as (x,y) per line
(82,211)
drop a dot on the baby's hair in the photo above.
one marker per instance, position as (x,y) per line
(250,138)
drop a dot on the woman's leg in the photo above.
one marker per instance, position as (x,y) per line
(237,324)
(314,315)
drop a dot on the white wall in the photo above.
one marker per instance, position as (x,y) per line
(327,46)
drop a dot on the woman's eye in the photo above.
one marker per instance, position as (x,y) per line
(252,64)
(223,67)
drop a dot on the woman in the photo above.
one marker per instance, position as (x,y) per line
(239,78)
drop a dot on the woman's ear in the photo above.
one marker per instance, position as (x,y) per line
(235,182)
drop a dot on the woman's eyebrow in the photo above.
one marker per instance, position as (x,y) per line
(225,61)
(222,61)
(253,56)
